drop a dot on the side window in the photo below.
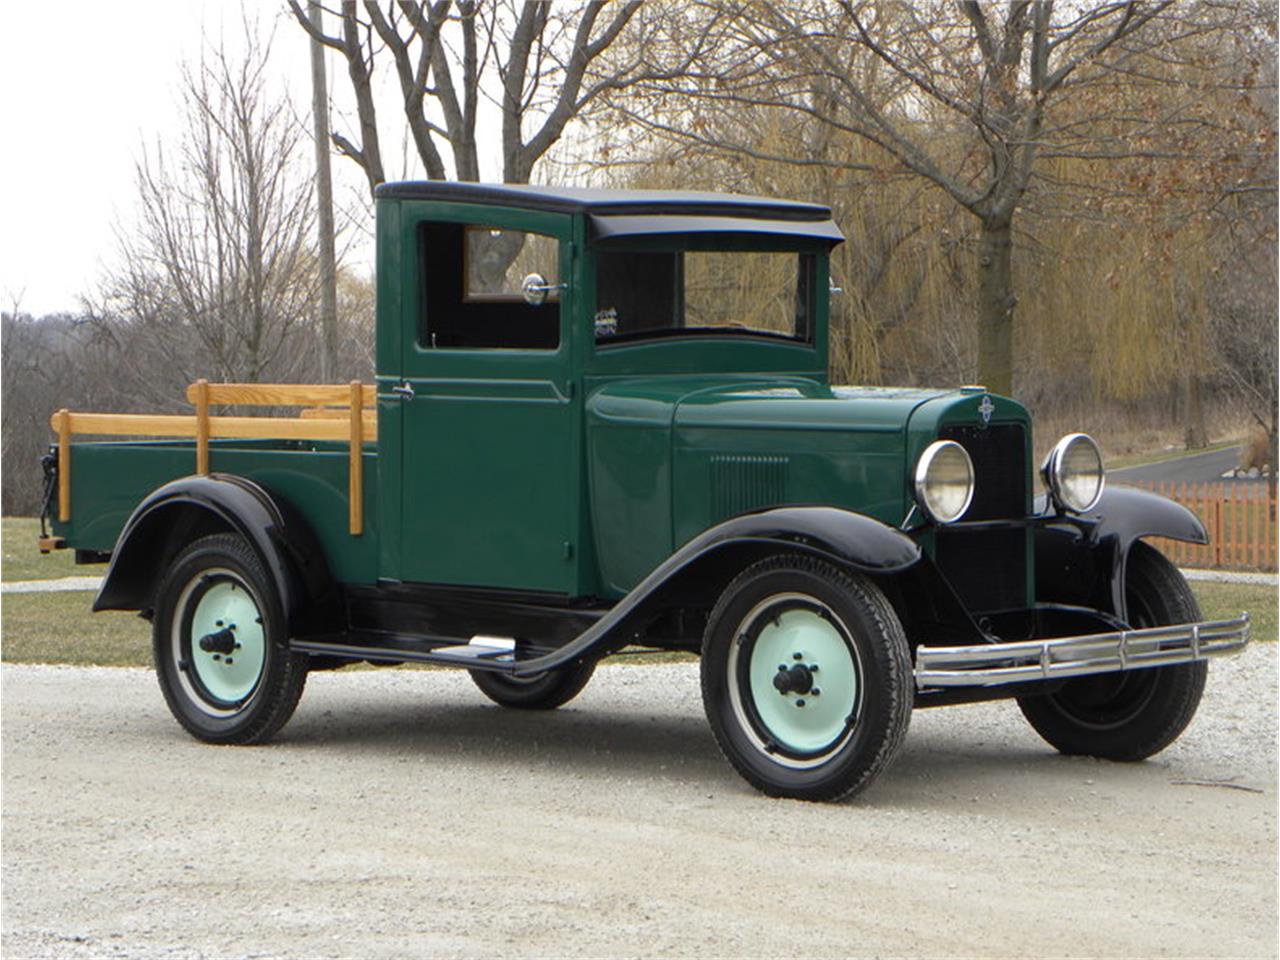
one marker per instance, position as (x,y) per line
(471,276)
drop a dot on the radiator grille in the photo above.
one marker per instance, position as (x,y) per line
(999,455)
(988,568)
(741,482)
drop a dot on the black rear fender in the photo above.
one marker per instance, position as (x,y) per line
(185,510)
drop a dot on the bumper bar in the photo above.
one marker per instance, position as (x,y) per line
(991,664)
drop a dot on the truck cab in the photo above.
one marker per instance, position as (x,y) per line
(603,419)
(536,432)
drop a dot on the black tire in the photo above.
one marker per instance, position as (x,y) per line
(824,753)
(546,691)
(1133,715)
(214,699)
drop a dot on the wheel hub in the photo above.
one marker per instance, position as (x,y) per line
(224,641)
(796,679)
(789,640)
(227,649)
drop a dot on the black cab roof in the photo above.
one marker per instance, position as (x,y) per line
(619,213)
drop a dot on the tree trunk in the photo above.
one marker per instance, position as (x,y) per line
(995,306)
(1197,436)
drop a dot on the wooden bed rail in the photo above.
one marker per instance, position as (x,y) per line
(338,412)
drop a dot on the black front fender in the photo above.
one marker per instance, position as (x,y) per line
(697,571)
(1083,559)
(183,510)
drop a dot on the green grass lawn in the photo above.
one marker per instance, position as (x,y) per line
(1220,601)
(22,559)
(58,627)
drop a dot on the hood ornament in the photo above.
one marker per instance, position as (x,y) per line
(985,409)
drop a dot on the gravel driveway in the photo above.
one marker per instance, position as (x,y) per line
(401,814)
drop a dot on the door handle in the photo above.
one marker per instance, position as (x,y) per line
(404,391)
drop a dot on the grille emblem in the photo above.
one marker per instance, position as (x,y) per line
(986,408)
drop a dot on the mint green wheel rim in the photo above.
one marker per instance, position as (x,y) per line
(220,682)
(796,729)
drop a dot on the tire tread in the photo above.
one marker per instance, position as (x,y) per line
(285,683)
(1180,686)
(899,688)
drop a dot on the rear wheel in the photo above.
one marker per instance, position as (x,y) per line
(806,678)
(220,644)
(1135,714)
(545,691)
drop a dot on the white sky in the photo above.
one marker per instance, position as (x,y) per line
(82,83)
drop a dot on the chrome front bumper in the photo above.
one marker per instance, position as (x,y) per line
(992,664)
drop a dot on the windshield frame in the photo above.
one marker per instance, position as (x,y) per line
(811,276)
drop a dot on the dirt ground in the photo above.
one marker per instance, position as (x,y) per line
(401,814)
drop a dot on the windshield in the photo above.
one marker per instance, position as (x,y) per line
(641,294)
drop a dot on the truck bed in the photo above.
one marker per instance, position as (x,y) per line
(112,477)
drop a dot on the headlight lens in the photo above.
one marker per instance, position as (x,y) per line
(1074,474)
(944,481)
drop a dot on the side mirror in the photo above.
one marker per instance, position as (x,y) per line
(535,289)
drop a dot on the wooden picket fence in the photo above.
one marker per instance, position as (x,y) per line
(1240,519)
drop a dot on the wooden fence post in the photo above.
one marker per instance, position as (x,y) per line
(1219,540)
(1269,517)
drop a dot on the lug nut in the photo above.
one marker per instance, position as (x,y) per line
(229,661)
(815,691)
(797,656)
(799,703)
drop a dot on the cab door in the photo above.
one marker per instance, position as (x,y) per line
(490,414)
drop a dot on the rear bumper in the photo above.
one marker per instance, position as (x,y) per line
(992,664)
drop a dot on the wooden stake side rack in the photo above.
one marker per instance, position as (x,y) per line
(331,412)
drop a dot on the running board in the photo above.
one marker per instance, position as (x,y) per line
(480,653)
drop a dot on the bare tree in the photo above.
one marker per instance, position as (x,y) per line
(966,96)
(539,65)
(44,364)
(218,278)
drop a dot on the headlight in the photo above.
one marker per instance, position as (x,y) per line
(944,481)
(1073,473)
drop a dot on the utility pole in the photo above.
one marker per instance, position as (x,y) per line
(324,198)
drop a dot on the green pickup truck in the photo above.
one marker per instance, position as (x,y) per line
(603,420)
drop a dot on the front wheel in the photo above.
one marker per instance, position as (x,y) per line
(806,678)
(220,644)
(1137,713)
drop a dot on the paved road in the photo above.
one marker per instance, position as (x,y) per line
(1196,468)
(401,815)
